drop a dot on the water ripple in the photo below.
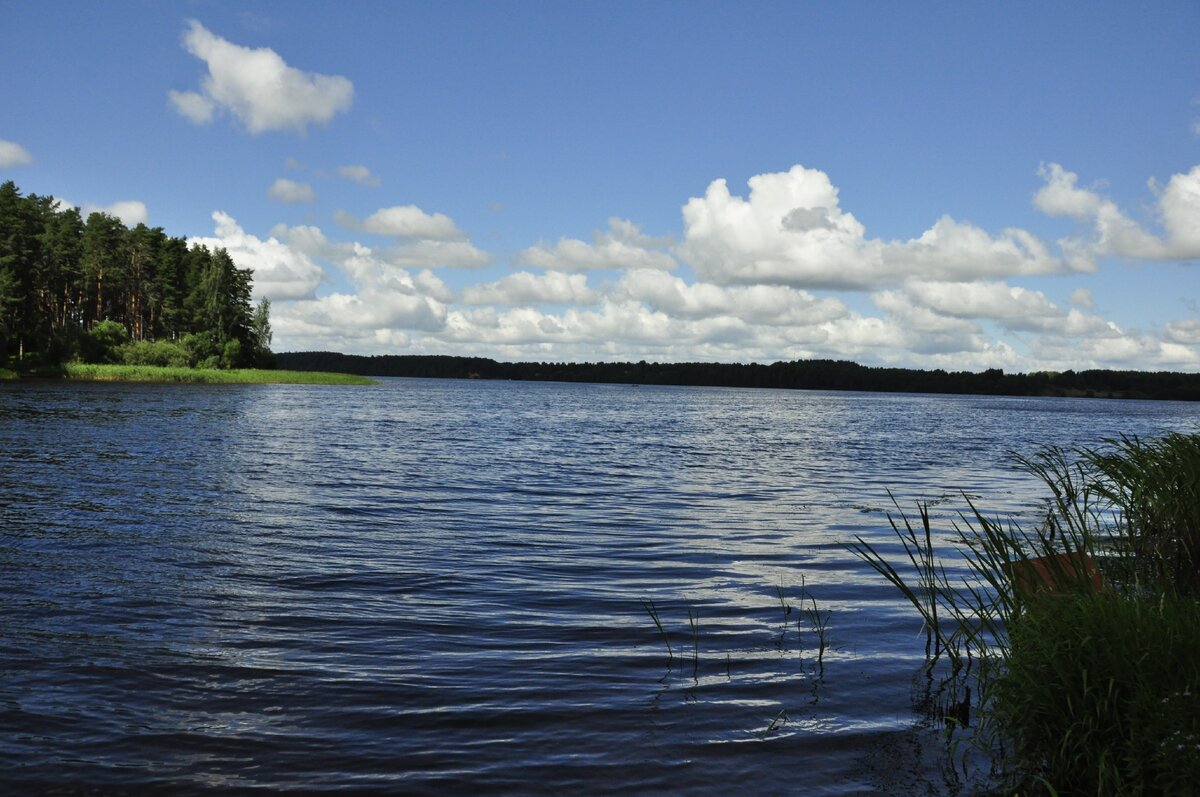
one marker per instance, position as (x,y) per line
(437,586)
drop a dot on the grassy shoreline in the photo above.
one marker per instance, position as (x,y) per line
(83,372)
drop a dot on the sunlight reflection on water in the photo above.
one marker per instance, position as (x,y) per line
(435,585)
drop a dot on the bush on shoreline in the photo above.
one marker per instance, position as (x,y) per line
(1101,693)
(1092,619)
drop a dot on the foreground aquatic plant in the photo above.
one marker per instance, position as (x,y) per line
(776,722)
(820,624)
(817,618)
(1155,487)
(797,676)
(1087,625)
(652,610)
(931,585)
(1006,563)
(784,606)
(694,624)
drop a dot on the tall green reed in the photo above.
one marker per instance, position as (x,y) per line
(1049,609)
(652,610)
(1155,488)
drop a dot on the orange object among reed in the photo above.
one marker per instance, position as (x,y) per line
(1058,573)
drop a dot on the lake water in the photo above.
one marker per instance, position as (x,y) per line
(431,587)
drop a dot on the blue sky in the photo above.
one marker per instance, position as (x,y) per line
(934,185)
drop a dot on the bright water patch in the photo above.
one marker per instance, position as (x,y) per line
(433,586)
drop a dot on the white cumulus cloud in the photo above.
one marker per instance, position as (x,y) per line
(754,304)
(956,250)
(1061,196)
(1179,206)
(523,287)
(368,309)
(992,300)
(1136,352)
(291,191)
(622,246)
(1186,332)
(1113,232)
(1083,297)
(436,254)
(790,230)
(13,154)
(257,87)
(751,277)
(312,242)
(130,211)
(387,303)
(280,271)
(372,268)
(423,240)
(404,221)
(911,327)
(1013,307)
(193,106)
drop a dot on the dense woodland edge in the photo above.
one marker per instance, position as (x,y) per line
(93,290)
(796,375)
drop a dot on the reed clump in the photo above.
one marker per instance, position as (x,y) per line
(1101,693)
(1087,625)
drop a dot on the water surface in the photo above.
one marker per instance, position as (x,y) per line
(431,586)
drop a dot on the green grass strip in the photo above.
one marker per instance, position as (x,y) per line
(149,373)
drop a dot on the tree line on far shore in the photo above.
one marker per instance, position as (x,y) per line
(799,374)
(95,290)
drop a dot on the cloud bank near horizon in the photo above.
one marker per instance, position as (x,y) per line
(782,271)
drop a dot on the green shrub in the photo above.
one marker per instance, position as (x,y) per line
(160,352)
(201,347)
(102,343)
(231,355)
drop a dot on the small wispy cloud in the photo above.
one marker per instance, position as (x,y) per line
(291,192)
(359,174)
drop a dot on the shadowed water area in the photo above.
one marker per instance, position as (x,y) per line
(430,586)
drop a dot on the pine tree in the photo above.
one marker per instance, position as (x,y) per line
(60,277)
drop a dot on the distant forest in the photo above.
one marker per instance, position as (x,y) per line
(801,374)
(99,291)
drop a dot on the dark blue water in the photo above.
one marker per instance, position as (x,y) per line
(437,586)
